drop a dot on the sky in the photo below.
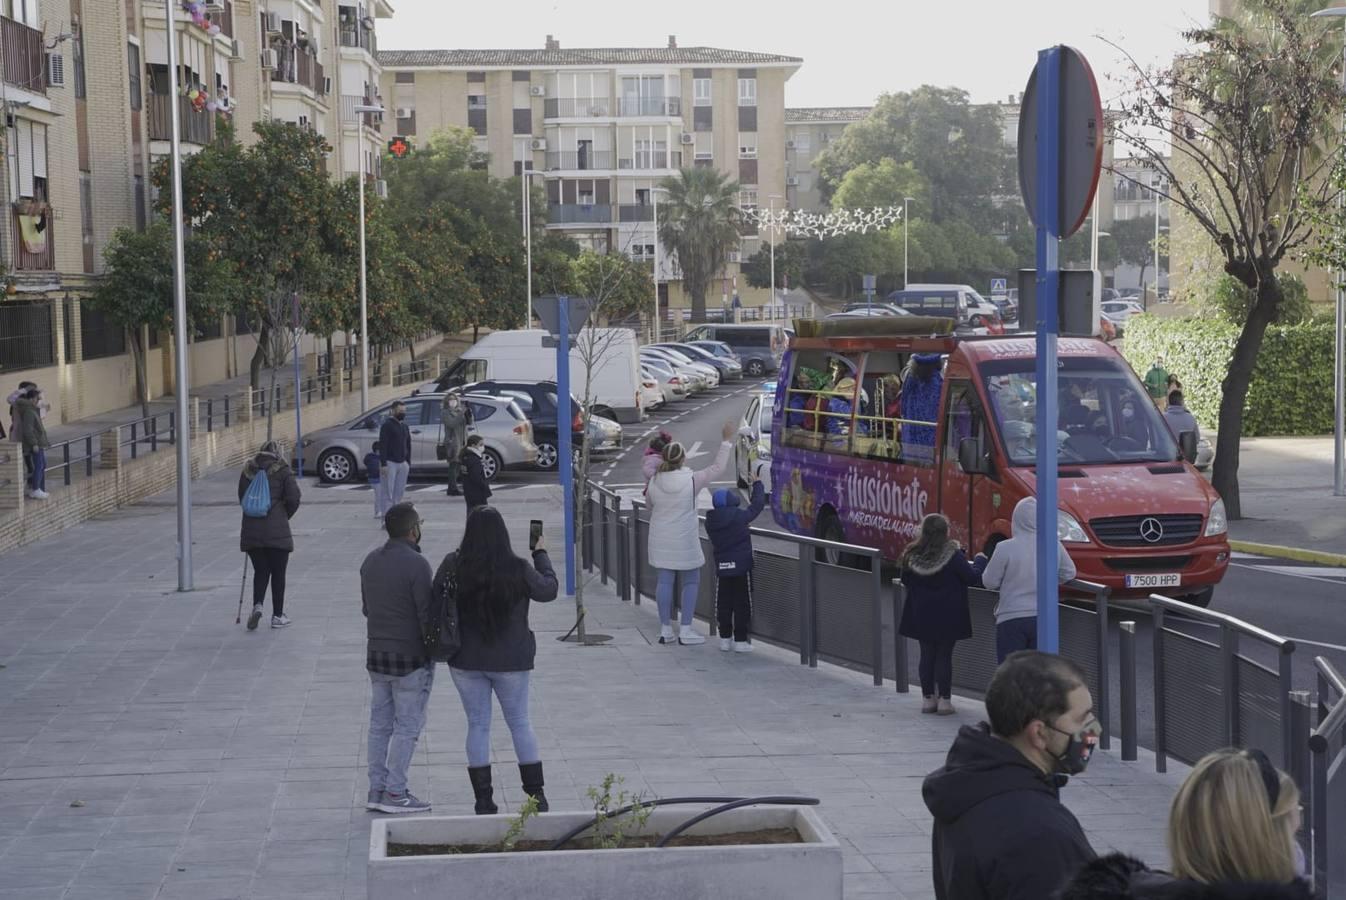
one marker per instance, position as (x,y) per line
(853,50)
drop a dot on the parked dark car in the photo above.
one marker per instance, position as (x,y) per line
(537,399)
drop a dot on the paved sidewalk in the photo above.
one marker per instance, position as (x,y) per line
(1286,489)
(151,748)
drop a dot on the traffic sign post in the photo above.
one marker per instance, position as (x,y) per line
(1060,153)
(870,283)
(999,286)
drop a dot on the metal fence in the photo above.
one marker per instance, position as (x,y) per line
(1327,778)
(27,335)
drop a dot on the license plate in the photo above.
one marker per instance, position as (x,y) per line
(1170,579)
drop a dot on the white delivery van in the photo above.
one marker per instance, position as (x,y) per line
(522,356)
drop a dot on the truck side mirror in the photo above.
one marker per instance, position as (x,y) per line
(971,459)
(1187,444)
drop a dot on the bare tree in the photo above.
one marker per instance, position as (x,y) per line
(1238,130)
(278,322)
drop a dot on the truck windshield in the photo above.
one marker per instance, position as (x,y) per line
(1104,415)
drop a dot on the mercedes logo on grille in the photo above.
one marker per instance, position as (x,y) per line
(1152,530)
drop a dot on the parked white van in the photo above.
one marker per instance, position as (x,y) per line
(521,356)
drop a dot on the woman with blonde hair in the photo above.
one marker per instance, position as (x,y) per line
(1231,834)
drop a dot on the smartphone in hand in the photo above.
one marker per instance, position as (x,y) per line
(534,533)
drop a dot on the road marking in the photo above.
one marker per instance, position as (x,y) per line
(1336,576)
(695,450)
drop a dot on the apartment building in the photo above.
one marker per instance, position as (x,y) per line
(603,127)
(808,131)
(87,115)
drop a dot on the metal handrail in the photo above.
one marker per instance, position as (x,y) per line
(1285,645)
(1328,671)
(1320,738)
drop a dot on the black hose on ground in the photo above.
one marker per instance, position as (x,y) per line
(727,803)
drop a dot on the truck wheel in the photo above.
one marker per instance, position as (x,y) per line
(830,529)
(1201,598)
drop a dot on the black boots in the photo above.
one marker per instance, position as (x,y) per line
(531,776)
(481,788)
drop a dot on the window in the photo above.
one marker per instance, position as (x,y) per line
(86,218)
(77,51)
(801,140)
(747,92)
(133,68)
(138,183)
(747,145)
(476,101)
(28,160)
(705,142)
(747,199)
(701,92)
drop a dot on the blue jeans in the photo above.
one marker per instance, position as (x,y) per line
(38,480)
(1014,635)
(511,689)
(663,593)
(397,708)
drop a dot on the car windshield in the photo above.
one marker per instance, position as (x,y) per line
(1104,415)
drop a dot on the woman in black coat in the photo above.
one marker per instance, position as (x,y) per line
(936,576)
(493,593)
(476,488)
(267,540)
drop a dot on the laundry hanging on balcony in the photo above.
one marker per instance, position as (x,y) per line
(33,232)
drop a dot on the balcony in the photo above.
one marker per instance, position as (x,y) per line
(198,127)
(298,66)
(226,19)
(34,249)
(580,160)
(650,106)
(578,214)
(635,212)
(349,115)
(576,107)
(359,37)
(22,50)
(652,160)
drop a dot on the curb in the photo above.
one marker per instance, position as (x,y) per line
(1298,554)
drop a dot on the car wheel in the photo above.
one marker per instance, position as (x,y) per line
(546,455)
(1201,598)
(756,368)
(829,529)
(336,466)
(491,464)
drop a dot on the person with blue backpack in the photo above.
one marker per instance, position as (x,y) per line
(269,495)
(727,527)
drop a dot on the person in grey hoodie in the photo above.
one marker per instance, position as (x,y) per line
(1013,571)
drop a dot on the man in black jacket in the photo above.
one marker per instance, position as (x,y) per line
(394,455)
(476,487)
(1001,832)
(396,598)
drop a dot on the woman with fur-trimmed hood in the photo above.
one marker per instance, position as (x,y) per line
(936,575)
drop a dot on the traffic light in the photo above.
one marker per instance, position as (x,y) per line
(399,148)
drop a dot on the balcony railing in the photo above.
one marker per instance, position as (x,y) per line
(635,212)
(580,159)
(198,127)
(577,107)
(34,240)
(578,214)
(349,116)
(358,36)
(657,159)
(651,106)
(226,19)
(298,66)
(21,48)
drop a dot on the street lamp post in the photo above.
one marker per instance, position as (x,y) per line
(906,231)
(655,191)
(362,109)
(182,434)
(1155,191)
(1339,333)
(771,205)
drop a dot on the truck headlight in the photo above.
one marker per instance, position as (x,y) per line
(1068,529)
(1218,521)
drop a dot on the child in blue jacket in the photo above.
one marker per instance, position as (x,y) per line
(727,527)
(372,472)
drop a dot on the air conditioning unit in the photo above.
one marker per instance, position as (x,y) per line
(598,110)
(236,50)
(538,144)
(55,70)
(405,112)
(792,181)
(273,23)
(214,6)
(789,145)
(688,138)
(537,90)
(381,189)
(270,59)
(735,256)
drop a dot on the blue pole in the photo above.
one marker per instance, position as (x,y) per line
(1048,265)
(564,466)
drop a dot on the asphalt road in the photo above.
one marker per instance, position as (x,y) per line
(1305,603)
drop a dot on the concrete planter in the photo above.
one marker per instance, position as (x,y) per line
(807,871)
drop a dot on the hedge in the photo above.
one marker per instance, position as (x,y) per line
(1291,391)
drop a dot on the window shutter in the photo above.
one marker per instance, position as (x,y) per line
(55,70)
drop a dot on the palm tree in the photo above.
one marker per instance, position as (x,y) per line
(699,223)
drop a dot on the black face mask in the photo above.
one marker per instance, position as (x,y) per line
(416,539)
(1074,759)
(400,416)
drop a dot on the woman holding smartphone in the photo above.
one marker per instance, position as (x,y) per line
(493,591)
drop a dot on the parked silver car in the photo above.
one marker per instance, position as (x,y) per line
(340,451)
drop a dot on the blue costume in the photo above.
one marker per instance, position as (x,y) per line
(920,402)
(797,402)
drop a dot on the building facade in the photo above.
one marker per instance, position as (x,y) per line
(87,116)
(808,131)
(602,128)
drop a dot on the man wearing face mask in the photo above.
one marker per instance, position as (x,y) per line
(395,455)
(1001,831)
(396,598)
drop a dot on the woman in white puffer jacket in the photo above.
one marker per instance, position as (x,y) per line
(675,540)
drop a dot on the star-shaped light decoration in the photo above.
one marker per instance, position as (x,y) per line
(801,223)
